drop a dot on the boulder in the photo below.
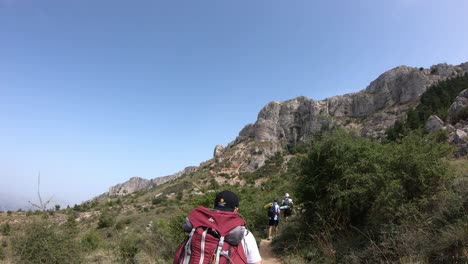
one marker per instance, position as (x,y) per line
(459,137)
(434,124)
(460,103)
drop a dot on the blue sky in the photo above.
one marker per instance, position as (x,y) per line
(95,92)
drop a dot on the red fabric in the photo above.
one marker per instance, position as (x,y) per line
(221,221)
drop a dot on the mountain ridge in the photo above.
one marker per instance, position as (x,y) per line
(369,111)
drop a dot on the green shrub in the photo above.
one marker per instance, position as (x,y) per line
(158,200)
(164,238)
(91,240)
(5,229)
(42,242)
(128,248)
(371,198)
(122,223)
(440,136)
(2,253)
(106,219)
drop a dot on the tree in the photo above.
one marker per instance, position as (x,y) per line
(42,205)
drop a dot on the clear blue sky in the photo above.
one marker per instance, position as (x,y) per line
(95,92)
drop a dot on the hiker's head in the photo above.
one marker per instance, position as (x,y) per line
(226,201)
(276,199)
(286,195)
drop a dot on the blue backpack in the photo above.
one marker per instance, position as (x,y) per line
(272,211)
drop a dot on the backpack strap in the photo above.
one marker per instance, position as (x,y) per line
(202,256)
(188,247)
(220,246)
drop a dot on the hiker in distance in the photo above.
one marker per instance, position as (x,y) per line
(286,206)
(218,236)
(273,214)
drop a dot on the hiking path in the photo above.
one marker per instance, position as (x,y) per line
(267,253)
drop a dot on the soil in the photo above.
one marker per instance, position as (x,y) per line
(267,253)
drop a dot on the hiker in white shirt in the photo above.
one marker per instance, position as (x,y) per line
(287,204)
(274,220)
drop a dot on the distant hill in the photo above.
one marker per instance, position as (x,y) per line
(13,203)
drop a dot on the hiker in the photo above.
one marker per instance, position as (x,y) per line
(273,214)
(218,235)
(287,206)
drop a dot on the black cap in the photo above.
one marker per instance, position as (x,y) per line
(276,199)
(226,201)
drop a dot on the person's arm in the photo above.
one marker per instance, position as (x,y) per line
(251,249)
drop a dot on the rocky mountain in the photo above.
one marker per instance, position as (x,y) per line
(370,112)
(136,183)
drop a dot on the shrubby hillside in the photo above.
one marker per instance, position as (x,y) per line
(401,197)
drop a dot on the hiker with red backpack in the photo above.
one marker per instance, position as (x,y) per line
(218,236)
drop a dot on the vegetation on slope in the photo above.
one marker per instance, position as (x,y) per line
(369,202)
(357,200)
(435,101)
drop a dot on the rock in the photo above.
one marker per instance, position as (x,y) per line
(444,70)
(450,128)
(460,103)
(137,183)
(218,151)
(458,137)
(130,186)
(434,124)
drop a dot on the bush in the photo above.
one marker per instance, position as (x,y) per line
(164,238)
(2,253)
(91,240)
(122,223)
(370,198)
(128,248)
(106,219)
(6,229)
(159,200)
(42,242)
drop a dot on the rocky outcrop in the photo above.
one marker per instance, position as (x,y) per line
(434,124)
(371,112)
(377,107)
(130,186)
(398,86)
(217,151)
(461,102)
(137,183)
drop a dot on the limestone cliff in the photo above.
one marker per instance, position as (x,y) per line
(370,112)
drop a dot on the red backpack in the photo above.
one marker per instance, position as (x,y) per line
(214,238)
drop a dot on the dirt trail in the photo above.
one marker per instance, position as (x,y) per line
(267,253)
